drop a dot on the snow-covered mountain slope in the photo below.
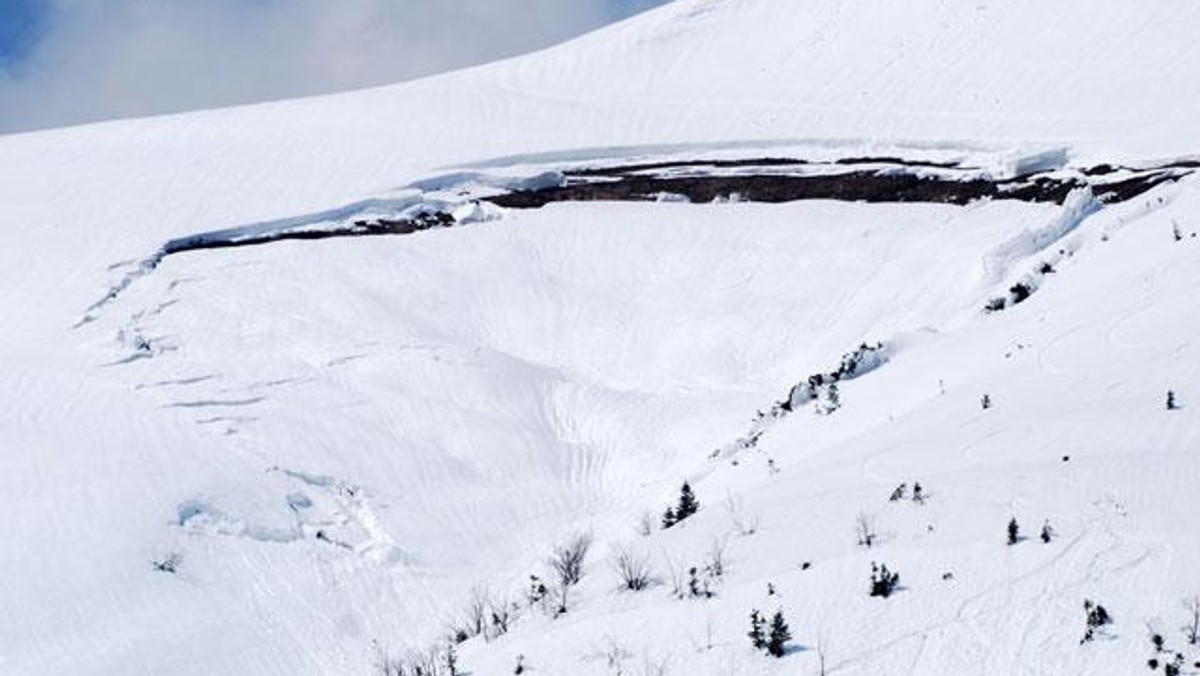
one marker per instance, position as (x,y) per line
(332,442)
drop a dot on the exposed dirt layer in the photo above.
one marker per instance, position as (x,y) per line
(890,180)
(404,226)
(773,180)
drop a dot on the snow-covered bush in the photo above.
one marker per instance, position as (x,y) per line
(169,563)
(1047,533)
(883,581)
(1095,618)
(714,564)
(698,584)
(829,400)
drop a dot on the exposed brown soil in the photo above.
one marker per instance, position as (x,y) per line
(888,180)
(895,182)
(361,229)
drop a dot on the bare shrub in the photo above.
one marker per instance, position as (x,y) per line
(1191,630)
(169,563)
(385,664)
(613,654)
(567,565)
(633,569)
(538,594)
(476,613)
(424,663)
(568,558)
(742,524)
(502,614)
(864,530)
(714,564)
(675,570)
(645,524)
(655,667)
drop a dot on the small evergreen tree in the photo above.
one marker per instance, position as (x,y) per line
(986,402)
(520,668)
(918,494)
(687,506)
(883,581)
(1047,532)
(538,592)
(900,493)
(1096,616)
(780,635)
(451,661)
(1014,532)
(757,638)
(687,503)
(1171,403)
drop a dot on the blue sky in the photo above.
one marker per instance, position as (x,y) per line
(20,23)
(71,61)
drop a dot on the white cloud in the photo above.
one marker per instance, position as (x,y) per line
(113,58)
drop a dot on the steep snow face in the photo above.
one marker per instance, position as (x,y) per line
(339,438)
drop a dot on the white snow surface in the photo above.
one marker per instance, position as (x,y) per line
(340,438)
